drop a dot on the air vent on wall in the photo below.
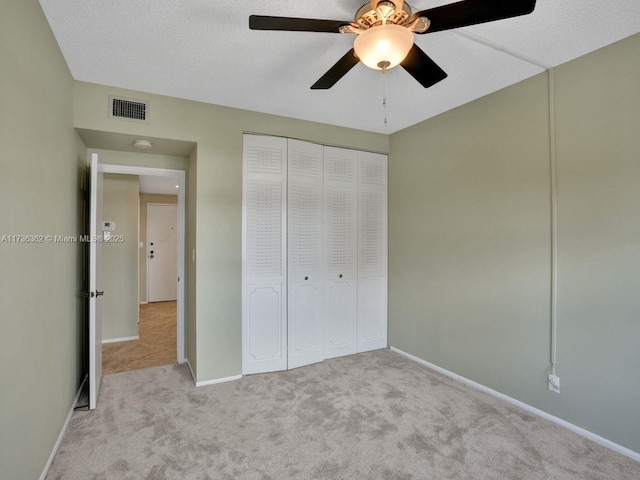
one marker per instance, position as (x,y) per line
(129,109)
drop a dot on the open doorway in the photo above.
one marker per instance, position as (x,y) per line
(146,208)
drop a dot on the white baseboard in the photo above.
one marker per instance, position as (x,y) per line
(144,303)
(209,382)
(218,380)
(540,413)
(62,432)
(123,339)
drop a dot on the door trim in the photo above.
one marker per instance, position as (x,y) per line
(181,175)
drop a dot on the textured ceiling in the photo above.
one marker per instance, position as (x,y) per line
(203,50)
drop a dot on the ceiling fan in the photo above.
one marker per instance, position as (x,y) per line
(385,29)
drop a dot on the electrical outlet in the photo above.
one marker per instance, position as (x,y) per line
(554,383)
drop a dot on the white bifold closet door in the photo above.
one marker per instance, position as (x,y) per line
(314,253)
(372,251)
(264,254)
(305,248)
(341,244)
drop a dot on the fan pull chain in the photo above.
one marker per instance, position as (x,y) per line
(384,95)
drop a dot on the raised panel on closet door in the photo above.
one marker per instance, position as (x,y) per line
(372,251)
(341,243)
(264,255)
(305,272)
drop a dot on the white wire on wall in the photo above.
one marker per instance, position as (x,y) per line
(553,185)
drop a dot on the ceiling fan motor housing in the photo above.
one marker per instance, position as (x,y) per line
(394,12)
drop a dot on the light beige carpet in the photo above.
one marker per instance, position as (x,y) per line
(370,416)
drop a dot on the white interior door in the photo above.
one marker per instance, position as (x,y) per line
(162,253)
(305,272)
(341,243)
(95,282)
(264,254)
(372,251)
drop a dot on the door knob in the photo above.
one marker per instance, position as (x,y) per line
(306,278)
(340,276)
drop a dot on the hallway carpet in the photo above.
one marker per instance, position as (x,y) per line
(375,415)
(156,346)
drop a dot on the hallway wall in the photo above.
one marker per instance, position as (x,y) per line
(120,204)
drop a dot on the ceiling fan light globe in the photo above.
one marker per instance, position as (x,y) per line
(383,44)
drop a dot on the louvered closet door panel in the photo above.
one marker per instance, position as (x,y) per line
(372,251)
(341,243)
(304,222)
(264,255)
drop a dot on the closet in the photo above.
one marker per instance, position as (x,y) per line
(314,253)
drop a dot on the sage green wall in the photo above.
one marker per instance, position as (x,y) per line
(469,223)
(598,117)
(218,134)
(43,168)
(145,199)
(120,204)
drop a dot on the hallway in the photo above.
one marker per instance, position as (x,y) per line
(156,346)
